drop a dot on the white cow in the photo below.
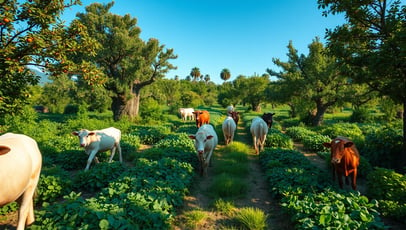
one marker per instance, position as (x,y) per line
(259,130)
(99,141)
(186,113)
(229,128)
(230,109)
(20,168)
(206,141)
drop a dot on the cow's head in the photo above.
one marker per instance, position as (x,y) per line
(267,117)
(236,116)
(337,147)
(83,135)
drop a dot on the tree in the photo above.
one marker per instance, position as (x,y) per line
(371,44)
(225,74)
(33,36)
(314,78)
(207,78)
(129,63)
(251,90)
(195,73)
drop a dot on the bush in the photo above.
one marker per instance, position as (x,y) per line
(382,147)
(150,135)
(389,188)
(277,139)
(349,130)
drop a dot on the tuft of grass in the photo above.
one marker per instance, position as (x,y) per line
(226,207)
(251,218)
(193,219)
(228,186)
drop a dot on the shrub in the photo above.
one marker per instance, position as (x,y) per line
(298,133)
(314,142)
(150,135)
(386,184)
(277,139)
(98,176)
(349,130)
(382,147)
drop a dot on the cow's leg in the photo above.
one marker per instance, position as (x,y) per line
(119,152)
(340,180)
(254,141)
(26,208)
(113,151)
(91,157)
(354,179)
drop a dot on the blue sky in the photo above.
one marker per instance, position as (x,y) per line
(240,35)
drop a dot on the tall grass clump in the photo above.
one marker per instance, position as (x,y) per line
(226,207)
(195,218)
(252,218)
(233,160)
(228,186)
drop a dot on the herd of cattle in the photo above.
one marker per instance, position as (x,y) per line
(21,161)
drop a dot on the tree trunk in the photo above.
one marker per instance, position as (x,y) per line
(318,118)
(293,112)
(118,106)
(256,107)
(132,106)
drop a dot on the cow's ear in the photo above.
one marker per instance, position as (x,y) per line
(327,144)
(348,144)
(91,133)
(272,114)
(4,150)
(75,133)
(192,137)
(209,137)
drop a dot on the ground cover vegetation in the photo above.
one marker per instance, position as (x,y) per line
(346,87)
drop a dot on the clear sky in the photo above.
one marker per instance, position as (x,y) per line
(240,35)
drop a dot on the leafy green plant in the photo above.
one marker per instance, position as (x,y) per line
(332,210)
(223,206)
(276,139)
(193,219)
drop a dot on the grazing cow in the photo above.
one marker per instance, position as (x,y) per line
(236,116)
(259,130)
(206,141)
(20,168)
(99,141)
(229,128)
(344,159)
(186,113)
(202,117)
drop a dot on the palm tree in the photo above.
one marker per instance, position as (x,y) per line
(207,78)
(195,73)
(225,74)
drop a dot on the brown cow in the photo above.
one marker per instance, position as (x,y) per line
(344,159)
(235,115)
(202,117)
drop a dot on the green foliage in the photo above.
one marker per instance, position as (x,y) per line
(228,186)
(298,133)
(98,176)
(52,187)
(251,218)
(277,139)
(383,146)
(361,114)
(314,142)
(223,206)
(150,110)
(150,134)
(350,130)
(288,169)
(180,140)
(10,207)
(386,184)
(332,210)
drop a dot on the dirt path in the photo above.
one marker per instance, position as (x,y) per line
(257,196)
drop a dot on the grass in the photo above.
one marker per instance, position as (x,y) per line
(193,219)
(226,207)
(251,218)
(228,186)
